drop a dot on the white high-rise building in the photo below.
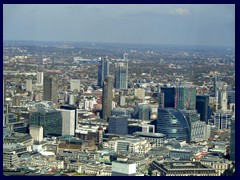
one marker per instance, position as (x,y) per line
(68,121)
(28,85)
(40,78)
(75,84)
(36,132)
(71,99)
(224,98)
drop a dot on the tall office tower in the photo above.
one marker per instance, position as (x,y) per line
(50,89)
(202,102)
(75,84)
(215,85)
(125,57)
(118,125)
(185,97)
(44,114)
(40,78)
(169,96)
(107,96)
(121,77)
(224,98)
(232,139)
(68,121)
(174,124)
(103,71)
(221,120)
(29,85)
(69,114)
(142,111)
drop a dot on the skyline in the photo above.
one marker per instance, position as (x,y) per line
(210,25)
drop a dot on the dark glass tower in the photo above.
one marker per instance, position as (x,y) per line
(118,125)
(202,102)
(169,96)
(173,123)
(103,71)
(107,96)
(45,115)
(50,89)
(121,77)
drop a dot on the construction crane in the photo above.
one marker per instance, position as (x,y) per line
(189,92)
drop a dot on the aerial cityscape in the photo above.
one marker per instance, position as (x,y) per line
(119,90)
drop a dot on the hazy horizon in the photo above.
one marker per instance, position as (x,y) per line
(161,24)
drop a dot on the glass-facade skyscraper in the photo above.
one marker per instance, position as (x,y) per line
(173,123)
(118,125)
(169,96)
(121,77)
(180,97)
(45,115)
(202,102)
(185,97)
(103,71)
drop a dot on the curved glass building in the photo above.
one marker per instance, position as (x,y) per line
(173,123)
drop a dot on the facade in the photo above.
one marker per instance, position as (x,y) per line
(157,138)
(139,93)
(232,140)
(221,120)
(182,168)
(132,145)
(124,168)
(36,132)
(45,115)
(230,97)
(198,128)
(122,100)
(173,123)
(40,78)
(103,71)
(107,96)
(202,102)
(185,97)
(29,85)
(168,97)
(68,121)
(10,159)
(219,164)
(121,77)
(50,89)
(223,98)
(142,111)
(181,154)
(122,112)
(118,125)
(75,84)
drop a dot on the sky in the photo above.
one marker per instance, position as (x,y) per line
(176,24)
